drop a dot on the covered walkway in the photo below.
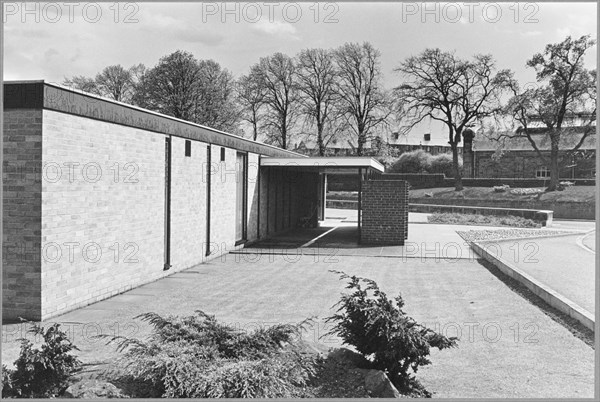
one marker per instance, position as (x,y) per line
(363,167)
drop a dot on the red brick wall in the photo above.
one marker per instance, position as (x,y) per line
(384,212)
(22,211)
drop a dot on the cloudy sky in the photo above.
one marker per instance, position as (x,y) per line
(47,42)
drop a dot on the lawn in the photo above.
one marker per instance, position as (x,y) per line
(585,194)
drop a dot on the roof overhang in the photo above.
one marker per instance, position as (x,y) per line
(323,164)
(50,96)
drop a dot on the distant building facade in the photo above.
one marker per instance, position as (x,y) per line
(394,144)
(516,158)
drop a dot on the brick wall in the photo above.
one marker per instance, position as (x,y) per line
(84,208)
(384,212)
(103,220)
(253,194)
(188,203)
(22,208)
(222,200)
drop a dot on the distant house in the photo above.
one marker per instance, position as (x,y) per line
(397,143)
(514,157)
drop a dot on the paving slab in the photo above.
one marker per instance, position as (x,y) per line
(508,348)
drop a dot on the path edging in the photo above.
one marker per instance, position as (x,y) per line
(550,296)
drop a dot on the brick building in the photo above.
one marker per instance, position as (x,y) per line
(100,196)
(516,158)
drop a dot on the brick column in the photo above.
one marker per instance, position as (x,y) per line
(384,212)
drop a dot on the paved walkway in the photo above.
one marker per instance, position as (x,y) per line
(557,262)
(508,347)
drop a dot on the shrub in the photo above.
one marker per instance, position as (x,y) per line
(382,332)
(501,189)
(489,220)
(41,373)
(198,357)
(442,163)
(526,191)
(417,161)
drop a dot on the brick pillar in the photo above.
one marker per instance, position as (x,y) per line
(384,212)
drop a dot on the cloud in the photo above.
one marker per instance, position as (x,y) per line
(50,53)
(182,30)
(275,27)
(531,33)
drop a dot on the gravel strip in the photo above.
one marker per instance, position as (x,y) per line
(507,234)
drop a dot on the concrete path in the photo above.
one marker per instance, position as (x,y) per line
(557,262)
(508,347)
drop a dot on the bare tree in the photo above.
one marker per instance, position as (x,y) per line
(278,75)
(363,99)
(116,82)
(455,92)
(566,89)
(82,83)
(113,82)
(251,95)
(317,75)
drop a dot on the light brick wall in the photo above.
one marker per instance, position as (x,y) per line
(188,204)
(253,194)
(223,200)
(384,212)
(91,223)
(22,208)
(102,221)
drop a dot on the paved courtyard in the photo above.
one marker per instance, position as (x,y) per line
(508,347)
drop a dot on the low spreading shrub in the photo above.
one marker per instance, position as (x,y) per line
(198,357)
(501,189)
(483,220)
(44,372)
(526,191)
(382,332)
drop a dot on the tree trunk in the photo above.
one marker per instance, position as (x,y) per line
(283,137)
(320,142)
(255,135)
(458,186)
(554,170)
(361,144)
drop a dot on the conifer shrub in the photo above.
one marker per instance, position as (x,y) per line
(382,332)
(198,357)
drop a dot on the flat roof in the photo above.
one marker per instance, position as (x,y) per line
(325,164)
(39,94)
